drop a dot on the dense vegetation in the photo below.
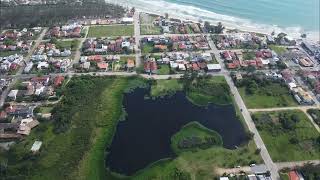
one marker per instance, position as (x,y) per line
(194,136)
(315,114)
(259,92)
(288,135)
(310,171)
(202,90)
(75,142)
(53,14)
(162,88)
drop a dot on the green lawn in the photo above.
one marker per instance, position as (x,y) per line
(205,138)
(272,95)
(68,44)
(111,31)
(150,30)
(147,48)
(164,69)
(278,49)
(288,135)
(248,55)
(165,87)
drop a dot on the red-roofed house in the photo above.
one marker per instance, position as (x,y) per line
(58,81)
(293,175)
(102,66)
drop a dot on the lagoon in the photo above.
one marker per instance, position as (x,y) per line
(144,137)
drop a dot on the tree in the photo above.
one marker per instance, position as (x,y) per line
(166,15)
(219,28)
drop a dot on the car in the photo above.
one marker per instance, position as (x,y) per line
(251,165)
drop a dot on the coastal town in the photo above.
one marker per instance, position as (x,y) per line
(267,74)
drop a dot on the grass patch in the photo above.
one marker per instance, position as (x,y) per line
(194,136)
(204,90)
(248,55)
(278,49)
(8,53)
(111,31)
(165,87)
(288,135)
(68,44)
(147,48)
(150,30)
(265,93)
(163,69)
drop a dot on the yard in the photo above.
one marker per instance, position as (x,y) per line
(110,31)
(288,135)
(248,55)
(163,69)
(8,53)
(147,48)
(266,94)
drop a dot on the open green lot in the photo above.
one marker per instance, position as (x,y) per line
(278,49)
(111,31)
(288,135)
(8,53)
(68,44)
(165,87)
(163,69)
(150,30)
(265,93)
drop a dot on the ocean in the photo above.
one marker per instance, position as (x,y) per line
(291,16)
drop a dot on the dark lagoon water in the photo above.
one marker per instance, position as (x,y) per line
(144,137)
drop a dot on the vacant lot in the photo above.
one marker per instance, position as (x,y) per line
(111,31)
(278,49)
(165,87)
(288,135)
(68,44)
(265,93)
(150,30)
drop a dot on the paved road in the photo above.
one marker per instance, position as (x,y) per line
(78,51)
(257,138)
(137,37)
(19,73)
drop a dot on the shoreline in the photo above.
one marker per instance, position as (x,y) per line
(229,22)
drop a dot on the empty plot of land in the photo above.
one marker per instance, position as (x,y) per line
(111,31)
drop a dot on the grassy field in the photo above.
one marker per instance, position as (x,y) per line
(209,90)
(111,31)
(272,95)
(180,142)
(165,87)
(164,69)
(147,48)
(248,55)
(68,44)
(150,30)
(288,135)
(278,49)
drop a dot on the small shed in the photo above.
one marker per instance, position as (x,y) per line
(36,146)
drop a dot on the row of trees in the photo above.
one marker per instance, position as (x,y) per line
(54,14)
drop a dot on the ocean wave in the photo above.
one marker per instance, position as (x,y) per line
(190,12)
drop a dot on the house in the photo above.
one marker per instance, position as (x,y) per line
(42,65)
(23,111)
(130,63)
(127,20)
(36,146)
(3,115)
(223,178)
(150,66)
(13,94)
(213,67)
(293,175)
(85,65)
(58,81)
(102,66)
(28,67)
(43,80)
(39,89)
